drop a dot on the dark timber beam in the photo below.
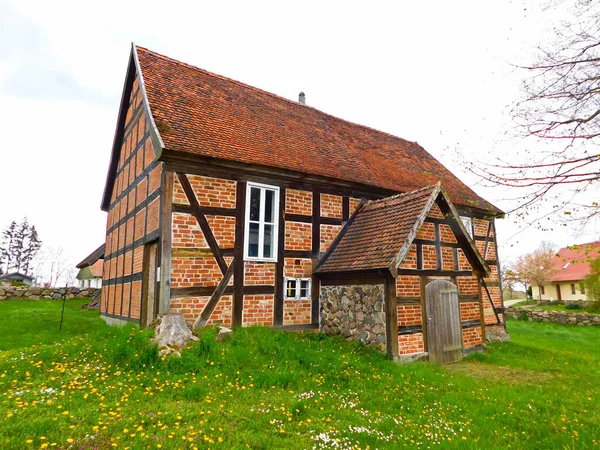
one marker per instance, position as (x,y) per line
(391,318)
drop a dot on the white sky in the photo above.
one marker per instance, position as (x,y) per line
(435,72)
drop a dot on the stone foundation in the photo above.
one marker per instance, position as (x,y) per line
(564,318)
(355,312)
(38,293)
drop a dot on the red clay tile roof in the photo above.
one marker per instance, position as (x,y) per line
(92,258)
(377,233)
(573,263)
(205,114)
(96,268)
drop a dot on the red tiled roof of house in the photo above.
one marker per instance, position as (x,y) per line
(573,263)
(205,114)
(96,268)
(377,233)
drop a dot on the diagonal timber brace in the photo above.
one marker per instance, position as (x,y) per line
(214,298)
(201,218)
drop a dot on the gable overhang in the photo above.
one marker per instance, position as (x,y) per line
(133,68)
(440,197)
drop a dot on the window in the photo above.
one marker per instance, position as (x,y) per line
(573,291)
(542,290)
(297,288)
(262,205)
(468,223)
(582,287)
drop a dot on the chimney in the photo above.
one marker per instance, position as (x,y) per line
(302,98)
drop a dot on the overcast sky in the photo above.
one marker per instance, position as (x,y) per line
(440,73)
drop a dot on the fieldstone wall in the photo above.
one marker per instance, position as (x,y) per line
(355,312)
(537,315)
(38,293)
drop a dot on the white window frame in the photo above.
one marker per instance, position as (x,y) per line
(298,283)
(261,222)
(469,228)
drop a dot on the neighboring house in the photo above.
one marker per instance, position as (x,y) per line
(572,265)
(223,199)
(16,276)
(90,269)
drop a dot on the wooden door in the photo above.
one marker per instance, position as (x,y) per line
(444,334)
(558,292)
(149,279)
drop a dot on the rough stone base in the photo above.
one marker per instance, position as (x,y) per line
(479,348)
(113,321)
(412,357)
(496,334)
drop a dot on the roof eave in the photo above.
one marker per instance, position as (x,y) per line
(133,68)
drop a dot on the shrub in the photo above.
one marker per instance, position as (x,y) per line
(573,305)
(18,284)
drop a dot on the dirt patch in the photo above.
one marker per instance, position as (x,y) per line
(500,373)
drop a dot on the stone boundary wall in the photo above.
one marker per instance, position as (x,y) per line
(564,318)
(355,312)
(39,293)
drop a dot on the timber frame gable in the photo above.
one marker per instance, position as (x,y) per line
(178,229)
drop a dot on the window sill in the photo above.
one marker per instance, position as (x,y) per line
(249,258)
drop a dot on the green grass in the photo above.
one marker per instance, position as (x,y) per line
(99,387)
(592,309)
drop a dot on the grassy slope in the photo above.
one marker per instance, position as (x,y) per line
(267,389)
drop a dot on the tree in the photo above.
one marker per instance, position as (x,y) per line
(536,268)
(31,249)
(20,244)
(560,110)
(7,248)
(592,281)
(509,280)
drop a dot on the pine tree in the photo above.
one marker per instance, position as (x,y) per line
(19,245)
(7,248)
(30,249)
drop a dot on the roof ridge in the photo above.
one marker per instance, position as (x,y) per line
(292,102)
(396,196)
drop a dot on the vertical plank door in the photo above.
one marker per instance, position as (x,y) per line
(444,334)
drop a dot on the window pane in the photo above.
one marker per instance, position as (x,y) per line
(468,223)
(268,242)
(290,288)
(254,203)
(304,289)
(253,240)
(269,205)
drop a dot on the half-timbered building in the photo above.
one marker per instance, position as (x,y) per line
(224,200)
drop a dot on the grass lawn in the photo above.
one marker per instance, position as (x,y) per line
(93,386)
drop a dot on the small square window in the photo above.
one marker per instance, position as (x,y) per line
(297,288)
(582,287)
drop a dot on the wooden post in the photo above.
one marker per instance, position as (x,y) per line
(164,296)
(391,318)
(238,271)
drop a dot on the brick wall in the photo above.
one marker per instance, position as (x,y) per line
(328,234)
(209,191)
(298,236)
(259,273)
(331,206)
(298,202)
(191,307)
(410,343)
(472,336)
(258,309)
(133,214)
